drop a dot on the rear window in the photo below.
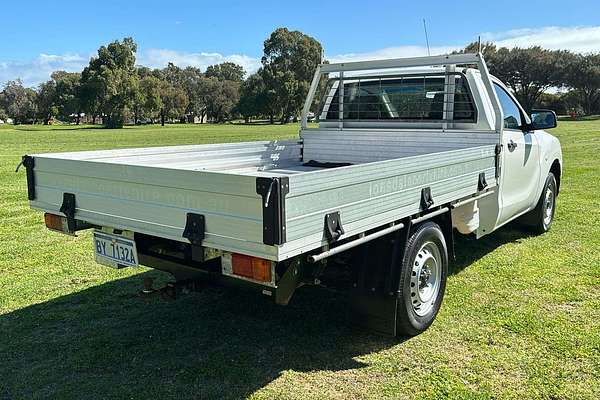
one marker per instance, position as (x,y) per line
(399,99)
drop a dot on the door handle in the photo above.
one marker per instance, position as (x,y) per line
(511,145)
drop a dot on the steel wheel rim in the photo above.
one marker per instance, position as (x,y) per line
(425,278)
(548,206)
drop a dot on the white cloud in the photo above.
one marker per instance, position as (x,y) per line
(159,58)
(582,39)
(579,39)
(38,70)
(392,52)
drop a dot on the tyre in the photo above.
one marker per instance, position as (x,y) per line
(541,217)
(424,271)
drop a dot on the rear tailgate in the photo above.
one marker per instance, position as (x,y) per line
(155,200)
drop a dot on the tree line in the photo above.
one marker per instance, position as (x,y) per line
(531,73)
(114,90)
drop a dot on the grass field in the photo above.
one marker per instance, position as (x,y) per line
(521,317)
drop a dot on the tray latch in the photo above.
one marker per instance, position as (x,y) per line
(68,209)
(333,226)
(481,182)
(426,199)
(194,228)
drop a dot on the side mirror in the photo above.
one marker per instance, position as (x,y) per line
(543,119)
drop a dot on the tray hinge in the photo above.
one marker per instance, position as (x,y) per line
(333,226)
(481,182)
(29,163)
(273,192)
(68,209)
(194,228)
(426,199)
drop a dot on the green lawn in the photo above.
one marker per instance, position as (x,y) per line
(521,317)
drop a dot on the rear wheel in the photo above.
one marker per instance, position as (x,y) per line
(423,276)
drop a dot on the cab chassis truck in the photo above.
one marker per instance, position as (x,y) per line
(407,153)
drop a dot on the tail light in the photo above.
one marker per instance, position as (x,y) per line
(254,268)
(56,223)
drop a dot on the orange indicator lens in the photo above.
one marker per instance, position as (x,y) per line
(251,267)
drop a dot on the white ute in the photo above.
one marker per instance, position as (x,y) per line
(406,152)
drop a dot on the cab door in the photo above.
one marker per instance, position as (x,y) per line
(520,173)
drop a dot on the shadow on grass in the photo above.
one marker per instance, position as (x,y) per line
(469,249)
(263,122)
(55,128)
(105,342)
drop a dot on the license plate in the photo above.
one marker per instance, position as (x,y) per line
(115,251)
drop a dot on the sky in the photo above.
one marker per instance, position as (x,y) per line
(38,37)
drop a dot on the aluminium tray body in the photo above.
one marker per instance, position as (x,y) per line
(151,190)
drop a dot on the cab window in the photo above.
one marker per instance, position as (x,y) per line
(412,98)
(512,113)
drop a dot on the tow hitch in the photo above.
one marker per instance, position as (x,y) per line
(171,290)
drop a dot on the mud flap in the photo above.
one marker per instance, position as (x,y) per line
(374,299)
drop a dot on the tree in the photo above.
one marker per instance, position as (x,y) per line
(68,96)
(46,101)
(282,96)
(173,100)
(143,72)
(224,96)
(289,61)
(583,75)
(59,97)
(186,79)
(89,96)
(554,102)
(253,96)
(226,71)
(190,79)
(202,92)
(148,98)
(572,102)
(172,74)
(529,72)
(139,99)
(18,102)
(109,82)
(488,49)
